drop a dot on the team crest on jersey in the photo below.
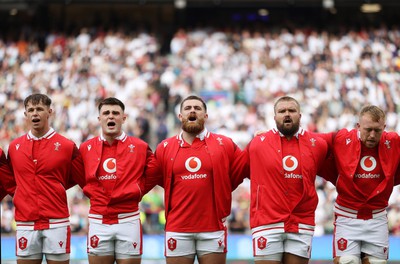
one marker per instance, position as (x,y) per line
(193,164)
(313,140)
(387,143)
(94,241)
(57,146)
(22,243)
(131,147)
(220,141)
(172,244)
(342,244)
(262,138)
(368,163)
(348,140)
(17,146)
(261,242)
(290,163)
(89,147)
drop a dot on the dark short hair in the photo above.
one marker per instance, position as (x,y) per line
(375,112)
(194,97)
(111,101)
(37,99)
(286,99)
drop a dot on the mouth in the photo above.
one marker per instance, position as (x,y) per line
(35,120)
(287,121)
(111,124)
(192,118)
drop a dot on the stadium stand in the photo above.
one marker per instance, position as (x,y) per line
(240,67)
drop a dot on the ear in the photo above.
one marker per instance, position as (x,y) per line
(25,114)
(180,116)
(124,117)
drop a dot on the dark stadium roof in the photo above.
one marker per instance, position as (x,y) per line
(272,3)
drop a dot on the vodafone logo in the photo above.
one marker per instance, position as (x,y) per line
(368,163)
(193,164)
(290,163)
(110,165)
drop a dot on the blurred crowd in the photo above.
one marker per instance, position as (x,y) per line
(239,72)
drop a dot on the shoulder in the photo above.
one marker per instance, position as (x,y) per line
(166,143)
(59,137)
(221,139)
(16,141)
(390,135)
(91,141)
(314,139)
(136,141)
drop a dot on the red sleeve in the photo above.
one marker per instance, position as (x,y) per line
(153,172)
(239,167)
(77,175)
(328,170)
(7,181)
(397,176)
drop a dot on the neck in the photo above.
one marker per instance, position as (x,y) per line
(110,138)
(188,137)
(289,137)
(40,132)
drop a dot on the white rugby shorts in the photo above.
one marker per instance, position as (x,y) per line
(183,244)
(47,241)
(277,243)
(353,236)
(122,238)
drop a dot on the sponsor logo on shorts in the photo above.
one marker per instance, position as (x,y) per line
(22,243)
(172,244)
(261,242)
(94,241)
(220,243)
(342,244)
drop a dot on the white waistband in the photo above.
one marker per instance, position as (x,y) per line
(34,225)
(280,228)
(120,218)
(344,211)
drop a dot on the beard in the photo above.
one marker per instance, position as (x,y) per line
(193,127)
(288,131)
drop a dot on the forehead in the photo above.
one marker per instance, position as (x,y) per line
(192,103)
(286,104)
(40,104)
(111,108)
(367,121)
